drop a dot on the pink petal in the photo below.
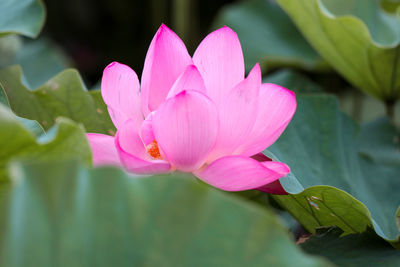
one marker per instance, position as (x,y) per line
(238,173)
(188,80)
(146,131)
(274,187)
(103,149)
(237,114)
(276,108)
(277,166)
(186,127)
(166,59)
(219,59)
(133,154)
(120,91)
(130,141)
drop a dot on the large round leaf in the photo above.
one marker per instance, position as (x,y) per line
(63,96)
(40,60)
(24,17)
(366,249)
(268,36)
(65,140)
(335,181)
(60,214)
(390,6)
(31,125)
(359,39)
(9,47)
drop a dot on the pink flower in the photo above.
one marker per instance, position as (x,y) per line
(198,115)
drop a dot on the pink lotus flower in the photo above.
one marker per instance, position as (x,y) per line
(195,114)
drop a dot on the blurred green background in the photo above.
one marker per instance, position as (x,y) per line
(95,32)
(90,34)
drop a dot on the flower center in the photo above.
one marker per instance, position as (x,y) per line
(153,150)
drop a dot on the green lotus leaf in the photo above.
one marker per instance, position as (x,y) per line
(390,6)
(359,39)
(9,47)
(31,125)
(40,60)
(25,17)
(61,214)
(268,36)
(341,175)
(64,95)
(366,249)
(65,140)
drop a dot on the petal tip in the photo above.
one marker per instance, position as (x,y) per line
(256,72)
(191,67)
(182,94)
(285,170)
(231,173)
(226,29)
(111,64)
(163,29)
(279,167)
(116,65)
(230,31)
(290,92)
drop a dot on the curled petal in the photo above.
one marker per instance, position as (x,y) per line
(219,59)
(274,187)
(188,80)
(132,152)
(103,149)
(120,91)
(166,59)
(238,173)
(277,166)
(276,108)
(186,127)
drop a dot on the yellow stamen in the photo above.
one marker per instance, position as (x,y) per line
(153,150)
